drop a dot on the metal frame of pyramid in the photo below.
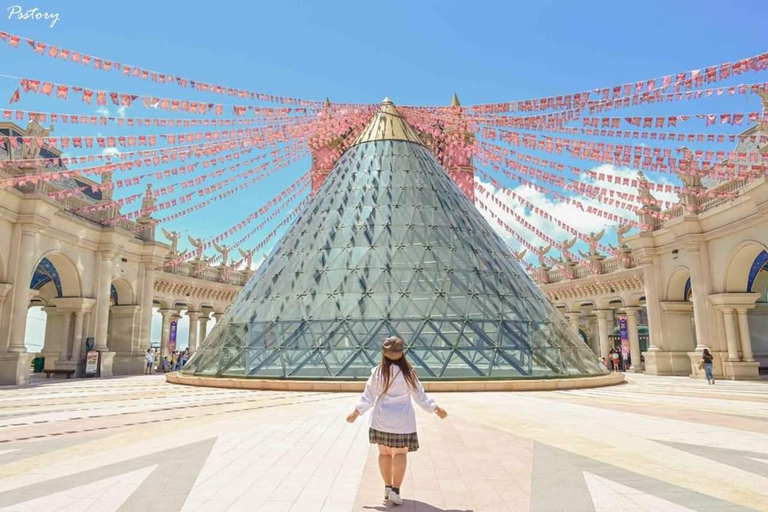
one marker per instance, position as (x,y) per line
(391,246)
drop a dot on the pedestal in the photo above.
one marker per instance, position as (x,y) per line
(15,368)
(741,370)
(107,361)
(666,362)
(129,363)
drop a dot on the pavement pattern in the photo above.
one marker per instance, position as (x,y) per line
(140,444)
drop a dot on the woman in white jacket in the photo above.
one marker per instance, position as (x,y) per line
(393,423)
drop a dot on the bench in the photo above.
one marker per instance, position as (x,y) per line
(68,373)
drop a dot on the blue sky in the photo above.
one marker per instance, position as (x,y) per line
(416,52)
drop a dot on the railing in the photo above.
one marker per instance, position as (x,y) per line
(213,274)
(704,204)
(83,208)
(557,275)
(610,265)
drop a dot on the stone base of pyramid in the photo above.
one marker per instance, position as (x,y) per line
(552,384)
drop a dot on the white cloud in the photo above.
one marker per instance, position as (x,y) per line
(569,214)
(121,111)
(110,151)
(102,111)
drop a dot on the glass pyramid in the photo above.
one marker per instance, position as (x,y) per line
(391,246)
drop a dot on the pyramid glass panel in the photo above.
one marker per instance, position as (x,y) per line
(391,246)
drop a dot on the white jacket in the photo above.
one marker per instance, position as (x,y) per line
(393,411)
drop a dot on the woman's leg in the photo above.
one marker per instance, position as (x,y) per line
(399,463)
(385,464)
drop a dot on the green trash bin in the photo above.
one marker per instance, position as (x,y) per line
(38,364)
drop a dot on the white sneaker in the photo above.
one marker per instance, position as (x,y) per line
(395,498)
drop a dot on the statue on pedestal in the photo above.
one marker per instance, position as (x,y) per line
(593,240)
(106,185)
(565,247)
(648,204)
(224,251)
(542,253)
(173,236)
(197,243)
(248,257)
(32,145)
(147,203)
(623,251)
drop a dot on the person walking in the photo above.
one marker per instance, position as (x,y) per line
(389,391)
(150,357)
(615,359)
(706,361)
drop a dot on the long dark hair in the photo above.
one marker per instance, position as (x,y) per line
(405,368)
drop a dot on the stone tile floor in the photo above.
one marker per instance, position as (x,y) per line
(140,444)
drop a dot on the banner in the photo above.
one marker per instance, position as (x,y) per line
(172,336)
(624,334)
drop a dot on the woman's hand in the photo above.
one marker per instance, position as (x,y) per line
(352,417)
(441,413)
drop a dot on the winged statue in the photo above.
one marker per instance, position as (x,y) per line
(565,247)
(542,253)
(224,251)
(247,257)
(173,236)
(593,239)
(197,243)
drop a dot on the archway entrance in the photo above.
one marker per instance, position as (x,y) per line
(57,294)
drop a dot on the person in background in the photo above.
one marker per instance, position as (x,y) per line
(615,359)
(706,361)
(150,358)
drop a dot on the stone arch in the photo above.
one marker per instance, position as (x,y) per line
(747,260)
(612,302)
(678,286)
(121,292)
(58,272)
(635,299)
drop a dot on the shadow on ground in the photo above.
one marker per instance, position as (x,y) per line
(415,506)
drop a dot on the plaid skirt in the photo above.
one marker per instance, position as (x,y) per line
(394,440)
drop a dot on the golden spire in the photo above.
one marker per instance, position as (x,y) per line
(327,102)
(455,101)
(388,124)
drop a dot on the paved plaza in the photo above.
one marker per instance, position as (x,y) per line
(140,444)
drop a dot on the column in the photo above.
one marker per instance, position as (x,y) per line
(573,319)
(203,327)
(77,339)
(21,289)
(165,333)
(102,301)
(65,339)
(634,338)
(652,303)
(217,316)
(746,341)
(147,296)
(194,327)
(700,294)
(602,328)
(730,334)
